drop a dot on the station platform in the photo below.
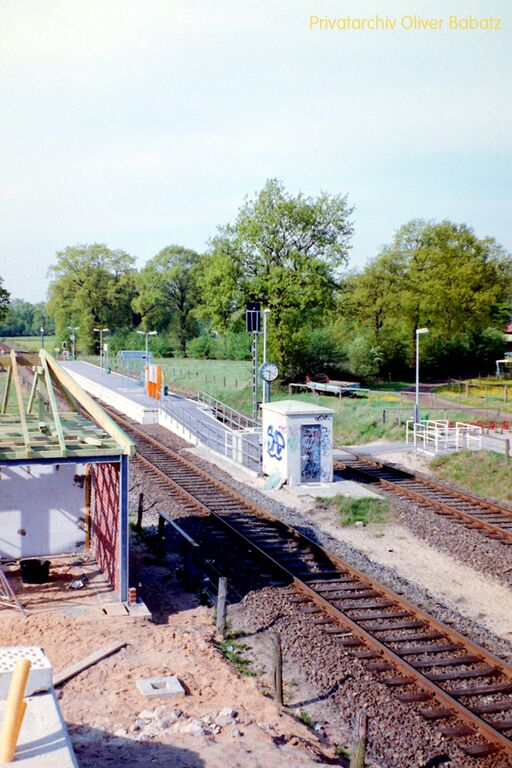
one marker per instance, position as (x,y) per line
(195,422)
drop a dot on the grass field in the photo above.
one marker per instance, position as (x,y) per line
(30,343)
(380,417)
(485,473)
(484,393)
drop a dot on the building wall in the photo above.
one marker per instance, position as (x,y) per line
(42,510)
(106,519)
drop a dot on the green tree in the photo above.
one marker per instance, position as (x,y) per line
(92,286)
(167,293)
(284,251)
(4,300)
(434,274)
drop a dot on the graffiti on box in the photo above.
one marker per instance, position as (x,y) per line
(311,453)
(275,443)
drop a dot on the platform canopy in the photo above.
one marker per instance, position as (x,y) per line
(45,414)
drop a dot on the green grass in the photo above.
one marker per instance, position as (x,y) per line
(482,472)
(30,343)
(306,718)
(369,511)
(234,652)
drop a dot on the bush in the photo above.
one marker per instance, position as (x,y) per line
(202,347)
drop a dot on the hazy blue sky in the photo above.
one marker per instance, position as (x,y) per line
(142,123)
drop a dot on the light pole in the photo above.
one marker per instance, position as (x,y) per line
(72,337)
(419,332)
(147,334)
(265,384)
(101,331)
(41,331)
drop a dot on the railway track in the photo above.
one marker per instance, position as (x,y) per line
(489,518)
(462,688)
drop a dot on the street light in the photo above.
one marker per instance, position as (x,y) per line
(419,332)
(265,384)
(101,331)
(72,337)
(41,331)
(147,334)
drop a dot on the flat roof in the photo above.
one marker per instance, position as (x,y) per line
(295,408)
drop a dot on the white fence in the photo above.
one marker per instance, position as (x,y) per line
(433,436)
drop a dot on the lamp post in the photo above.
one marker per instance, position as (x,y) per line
(265,384)
(419,332)
(72,337)
(41,331)
(101,331)
(147,334)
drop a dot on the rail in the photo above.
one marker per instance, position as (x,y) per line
(242,447)
(227,415)
(434,435)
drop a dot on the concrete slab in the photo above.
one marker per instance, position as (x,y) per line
(40,677)
(43,741)
(338,488)
(161,687)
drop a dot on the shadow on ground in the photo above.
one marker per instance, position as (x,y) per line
(95,748)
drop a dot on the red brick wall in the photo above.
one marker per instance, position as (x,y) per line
(105,520)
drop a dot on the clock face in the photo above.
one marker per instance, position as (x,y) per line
(268,371)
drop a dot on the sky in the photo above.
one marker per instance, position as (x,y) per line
(145,123)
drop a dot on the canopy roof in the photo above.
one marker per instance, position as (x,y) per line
(36,426)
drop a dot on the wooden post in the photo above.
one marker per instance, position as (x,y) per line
(467,388)
(161,524)
(507,448)
(140,511)
(277,668)
(221,604)
(88,518)
(506,394)
(360,740)
(383,415)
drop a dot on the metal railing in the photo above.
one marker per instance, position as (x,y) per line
(240,446)
(434,435)
(227,415)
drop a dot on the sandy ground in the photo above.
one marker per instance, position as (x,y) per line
(223,720)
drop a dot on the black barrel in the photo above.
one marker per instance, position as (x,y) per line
(34,571)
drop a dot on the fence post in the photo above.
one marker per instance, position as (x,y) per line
(360,740)
(277,665)
(383,415)
(140,511)
(507,448)
(221,604)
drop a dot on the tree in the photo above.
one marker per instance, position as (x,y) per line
(4,300)
(167,292)
(285,252)
(92,286)
(438,275)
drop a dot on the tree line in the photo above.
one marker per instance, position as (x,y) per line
(290,253)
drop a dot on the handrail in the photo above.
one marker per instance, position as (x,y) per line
(238,419)
(228,442)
